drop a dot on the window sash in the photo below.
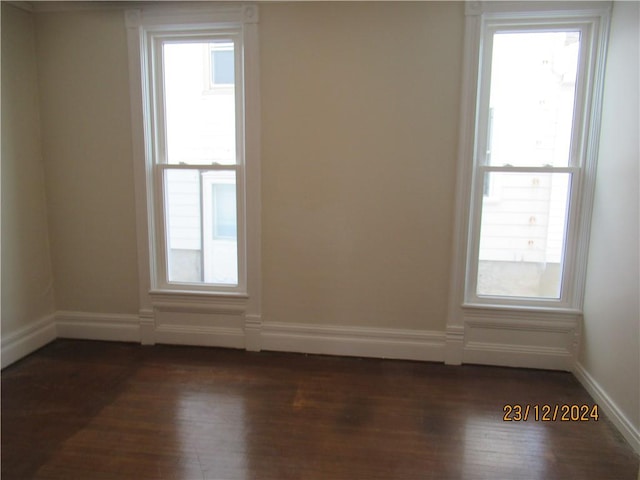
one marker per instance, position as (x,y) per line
(160,162)
(569,240)
(162,231)
(577,150)
(155,43)
(575,167)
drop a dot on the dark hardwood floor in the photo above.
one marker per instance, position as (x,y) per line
(95,410)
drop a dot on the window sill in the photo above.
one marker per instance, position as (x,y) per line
(521,308)
(197,294)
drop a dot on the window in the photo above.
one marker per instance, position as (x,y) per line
(199,171)
(221,64)
(531,90)
(529,155)
(197,149)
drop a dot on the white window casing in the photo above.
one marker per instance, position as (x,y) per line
(149,29)
(475,319)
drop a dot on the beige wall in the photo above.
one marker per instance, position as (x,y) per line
(27,289)
(359,116)
(84,89)
(611,336)
(359,112)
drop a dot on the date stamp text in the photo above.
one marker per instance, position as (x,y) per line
(550,413)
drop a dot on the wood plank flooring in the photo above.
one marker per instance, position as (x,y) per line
(98,410)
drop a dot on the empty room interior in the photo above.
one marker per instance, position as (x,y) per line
(320,240)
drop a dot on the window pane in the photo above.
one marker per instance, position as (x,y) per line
(222,66)
(201,222)
(533,79)
(200,120)
(522,234)
(184,226)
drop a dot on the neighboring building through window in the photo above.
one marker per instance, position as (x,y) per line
(201,135)
(523,226)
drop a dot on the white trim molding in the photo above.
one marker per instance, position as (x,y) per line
(214,336)
(512,331)
(98,326)
(548,343)
(628,430)
(170,312)
(27,340)
(454,345)
(250,333)
(354,341)
(511,338)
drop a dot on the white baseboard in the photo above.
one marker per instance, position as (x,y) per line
(98,326)
(520,339)
(629,431)
(354,341)
(314,339)
(27,340)
(219,336)
(546,358)
(402,344)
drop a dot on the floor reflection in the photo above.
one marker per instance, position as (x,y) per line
(211,428)
(503,450)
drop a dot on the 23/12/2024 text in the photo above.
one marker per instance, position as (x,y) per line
(550,413)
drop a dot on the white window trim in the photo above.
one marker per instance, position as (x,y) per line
(211,86)
(140,22)
(462,304)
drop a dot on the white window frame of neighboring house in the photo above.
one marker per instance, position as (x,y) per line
(209,206)
(147,28)
(211,66)
(484,18)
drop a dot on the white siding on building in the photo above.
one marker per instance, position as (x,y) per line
(523,217)
(183,209)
